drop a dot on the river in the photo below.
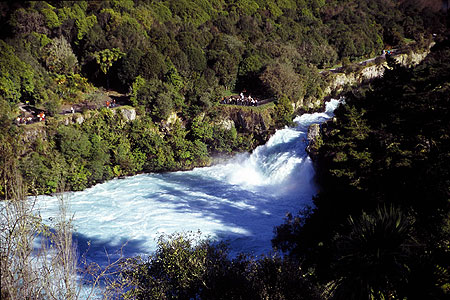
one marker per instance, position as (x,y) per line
(240,201)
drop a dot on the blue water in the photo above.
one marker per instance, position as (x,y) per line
(240,201)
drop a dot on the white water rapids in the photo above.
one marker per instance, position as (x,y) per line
(240,201)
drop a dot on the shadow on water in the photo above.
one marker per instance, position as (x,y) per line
(103,252)
(247,217)
(243,214)
(107,250)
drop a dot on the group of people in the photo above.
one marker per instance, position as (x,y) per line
(240,100)
(110,103)
(24,120)
(41,116)
(30,119)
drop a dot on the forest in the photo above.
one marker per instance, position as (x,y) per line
(380,225)
(170,57)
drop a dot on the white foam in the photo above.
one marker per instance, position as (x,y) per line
(241,200)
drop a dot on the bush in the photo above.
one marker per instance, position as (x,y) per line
(185,266)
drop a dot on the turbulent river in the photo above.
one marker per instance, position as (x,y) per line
(240,201)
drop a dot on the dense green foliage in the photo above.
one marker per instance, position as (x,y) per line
(381,223)
(205,43)
(173,57)
(188,267)
(380,226)
(105,146)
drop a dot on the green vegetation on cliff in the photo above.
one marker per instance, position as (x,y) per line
(380,227)
(175,60)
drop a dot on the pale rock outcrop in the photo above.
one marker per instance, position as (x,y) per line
(128,113)
(34,133)
(172,119)
(411,59)
(340,80)
(226,124)
(79,118)
(314,139)
(313,132)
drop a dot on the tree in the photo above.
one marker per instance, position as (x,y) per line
(197,59)
(283,111)
(51,18)
(281,79)
(59,56)
(129,66)
(250,65)
(152,65)
(176,270)
(373,259)
(106,58)
(185,266)
(16,76)
(73,143)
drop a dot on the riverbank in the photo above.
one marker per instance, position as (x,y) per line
(96,141)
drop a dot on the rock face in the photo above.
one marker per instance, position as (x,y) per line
(243,121)
(313,132)
(33,133)
(226,124)
(314,139)
(310,103)
(128,113)
(339,80)
(247,120)
(409,60)
(79,118)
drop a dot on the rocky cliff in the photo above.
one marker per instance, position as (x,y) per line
(337,81)
(37,131)
(257,121)
(314,139)
(128,114)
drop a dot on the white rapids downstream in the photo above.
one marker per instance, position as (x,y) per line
(240,201)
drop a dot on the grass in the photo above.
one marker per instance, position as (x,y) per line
(263,107)
(35,125)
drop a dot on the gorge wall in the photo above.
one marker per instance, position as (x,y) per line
(337,81)
(257,121)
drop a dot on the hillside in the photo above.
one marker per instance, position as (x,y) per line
(174,61)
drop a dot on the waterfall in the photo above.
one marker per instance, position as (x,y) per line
(240,201)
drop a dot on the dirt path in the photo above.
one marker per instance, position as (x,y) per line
(30,114)
(393,52)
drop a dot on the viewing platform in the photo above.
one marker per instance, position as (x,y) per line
(242,100)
